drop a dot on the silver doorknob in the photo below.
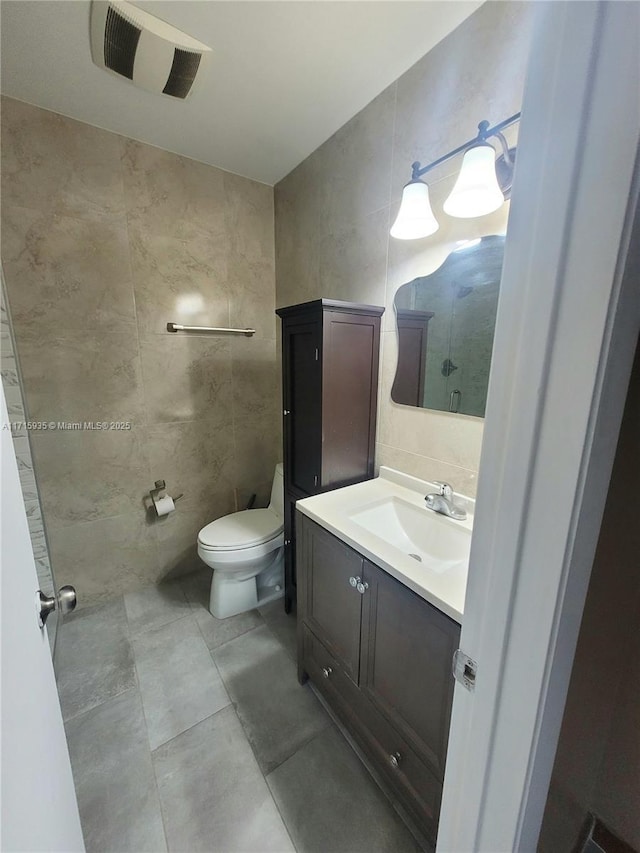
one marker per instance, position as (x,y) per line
(65,601)
(326,671)
(395,759)
(354,581)
(362,587)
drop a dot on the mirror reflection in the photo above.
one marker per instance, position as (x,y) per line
(445,325)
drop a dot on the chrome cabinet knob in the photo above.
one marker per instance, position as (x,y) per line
(326,671)
(362,587)
(394,759)
(354,581)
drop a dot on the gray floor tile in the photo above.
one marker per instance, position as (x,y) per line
(213,796)
(282,624)
(330,803)
(197,587)
(155,606)
(94,661)
(179,682)
(114,778)
(277,713)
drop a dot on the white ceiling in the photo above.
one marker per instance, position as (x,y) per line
(283,76)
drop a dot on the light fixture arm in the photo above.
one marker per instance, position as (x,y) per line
(484,133)
(506,151)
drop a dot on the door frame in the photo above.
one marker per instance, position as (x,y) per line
(566,331)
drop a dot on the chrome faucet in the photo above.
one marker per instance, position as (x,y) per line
(442,502)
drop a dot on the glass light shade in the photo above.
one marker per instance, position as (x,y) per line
(415,218)
(476,192)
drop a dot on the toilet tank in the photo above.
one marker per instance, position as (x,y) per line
(277,491)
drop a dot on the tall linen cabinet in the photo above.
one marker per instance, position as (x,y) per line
(330,358)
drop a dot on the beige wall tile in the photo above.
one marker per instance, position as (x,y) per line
(105,558)
(186,377)
(196,458)
(353,262)
(171,195)
(178,280)
(87,475)
(463,480)
(81,376)
(255,379)
(67,273)
(55,164)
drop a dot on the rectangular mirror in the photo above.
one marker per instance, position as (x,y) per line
(445,325)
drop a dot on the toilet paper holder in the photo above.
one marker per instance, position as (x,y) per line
(161,486)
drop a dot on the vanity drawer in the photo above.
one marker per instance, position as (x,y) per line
(327,673)
(406,773)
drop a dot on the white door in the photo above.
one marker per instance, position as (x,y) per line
(567,327)
(39,807)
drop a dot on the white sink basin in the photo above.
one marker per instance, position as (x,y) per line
(387,522)
(418,532)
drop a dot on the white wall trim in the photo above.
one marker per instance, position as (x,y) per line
(565,336)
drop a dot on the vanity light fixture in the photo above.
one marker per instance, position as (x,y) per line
(415,218)
(483,184)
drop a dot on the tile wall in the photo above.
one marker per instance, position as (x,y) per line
(104,241)
(14,397)
(333,212)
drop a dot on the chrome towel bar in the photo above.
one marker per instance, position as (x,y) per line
(177,327)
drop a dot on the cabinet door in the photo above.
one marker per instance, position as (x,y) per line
(349,396)
(332,607)
(407,649)
(302,393)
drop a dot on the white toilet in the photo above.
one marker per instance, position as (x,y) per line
(246,552)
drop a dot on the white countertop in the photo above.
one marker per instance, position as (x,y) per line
(445,589)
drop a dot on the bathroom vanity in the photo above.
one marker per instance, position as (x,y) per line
(381,584)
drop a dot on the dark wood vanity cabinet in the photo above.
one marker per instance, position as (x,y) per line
(381,656)
(330,354)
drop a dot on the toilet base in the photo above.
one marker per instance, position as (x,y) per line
(229,596)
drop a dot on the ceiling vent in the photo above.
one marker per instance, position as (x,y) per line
(151,53)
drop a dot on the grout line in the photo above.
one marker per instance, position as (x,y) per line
(282,817)
(134,635)
(192,726)
(233,639)
(99,704)
(153,766)
(303,745)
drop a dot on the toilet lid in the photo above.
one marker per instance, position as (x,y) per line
(241,529)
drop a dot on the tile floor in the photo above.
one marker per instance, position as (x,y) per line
(190,733)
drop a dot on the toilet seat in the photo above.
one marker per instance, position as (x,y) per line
(242,530)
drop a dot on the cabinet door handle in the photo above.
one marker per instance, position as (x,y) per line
(362,587)
(326,671)
(286,412)
(354,581)
(394,759)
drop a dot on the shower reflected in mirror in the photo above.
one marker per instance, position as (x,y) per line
(446,323)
